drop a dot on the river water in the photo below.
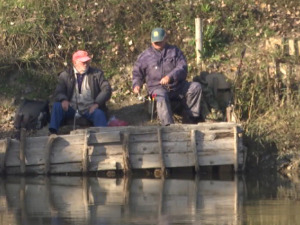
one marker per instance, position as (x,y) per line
(229,199)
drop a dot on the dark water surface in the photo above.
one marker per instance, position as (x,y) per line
(251,199)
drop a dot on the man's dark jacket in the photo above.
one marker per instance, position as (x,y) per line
(152,65)
(100,88)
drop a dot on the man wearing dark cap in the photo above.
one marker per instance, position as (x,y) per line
(164,69)
(81,90)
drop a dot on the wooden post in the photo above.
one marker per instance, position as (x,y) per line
(198,40)
(236,148)
(277,83)
(194,147)
(22,150)
(289,84)
(48,147)
(161,153)
(3,151)
(126,155)
(85,152)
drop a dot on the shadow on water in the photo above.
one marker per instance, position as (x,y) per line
(204,199)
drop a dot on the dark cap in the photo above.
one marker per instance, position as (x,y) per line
(158,34)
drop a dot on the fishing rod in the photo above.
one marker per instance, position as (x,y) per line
(77,114)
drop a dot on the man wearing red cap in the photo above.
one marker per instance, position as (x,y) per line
(81,90)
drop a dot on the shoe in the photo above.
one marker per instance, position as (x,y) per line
(52,131)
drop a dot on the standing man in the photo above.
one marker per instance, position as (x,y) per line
(164,69)
(81,89)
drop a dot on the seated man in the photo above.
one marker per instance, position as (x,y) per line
(164,69)
(81,90)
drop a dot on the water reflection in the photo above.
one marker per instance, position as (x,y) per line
(93,200)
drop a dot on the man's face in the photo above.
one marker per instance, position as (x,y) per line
(81,67)
(159,45)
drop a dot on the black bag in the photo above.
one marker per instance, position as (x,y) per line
(32,115)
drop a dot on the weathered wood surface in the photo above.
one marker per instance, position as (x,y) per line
(83,198)
(126,148)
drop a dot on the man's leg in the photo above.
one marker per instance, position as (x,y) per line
(58,115)
(98,118)
(193,93)
(163,106)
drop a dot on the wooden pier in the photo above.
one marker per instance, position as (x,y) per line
(126,149)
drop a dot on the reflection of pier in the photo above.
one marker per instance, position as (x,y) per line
(151,201)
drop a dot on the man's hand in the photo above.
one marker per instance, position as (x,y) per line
(136,89)
(65,105)
(165,80)
(93,107)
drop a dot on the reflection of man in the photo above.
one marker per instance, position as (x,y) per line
(164,69)
(81,89)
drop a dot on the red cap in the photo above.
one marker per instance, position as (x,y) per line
(82,56)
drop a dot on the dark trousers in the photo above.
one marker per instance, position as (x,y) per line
(189,94)
(58,115)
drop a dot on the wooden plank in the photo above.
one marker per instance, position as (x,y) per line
(141,161)
(171,128)
(180,147)
(169,147)
(108,149)
(215,135)
(216,158)
(152,147)
(178,135)
(225,144)
(103,162)
(5,146)
(22,150)
(35,150)
(59,154)
(171,160)
(167,136)
(194,148)
(65,149)
(104,137)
